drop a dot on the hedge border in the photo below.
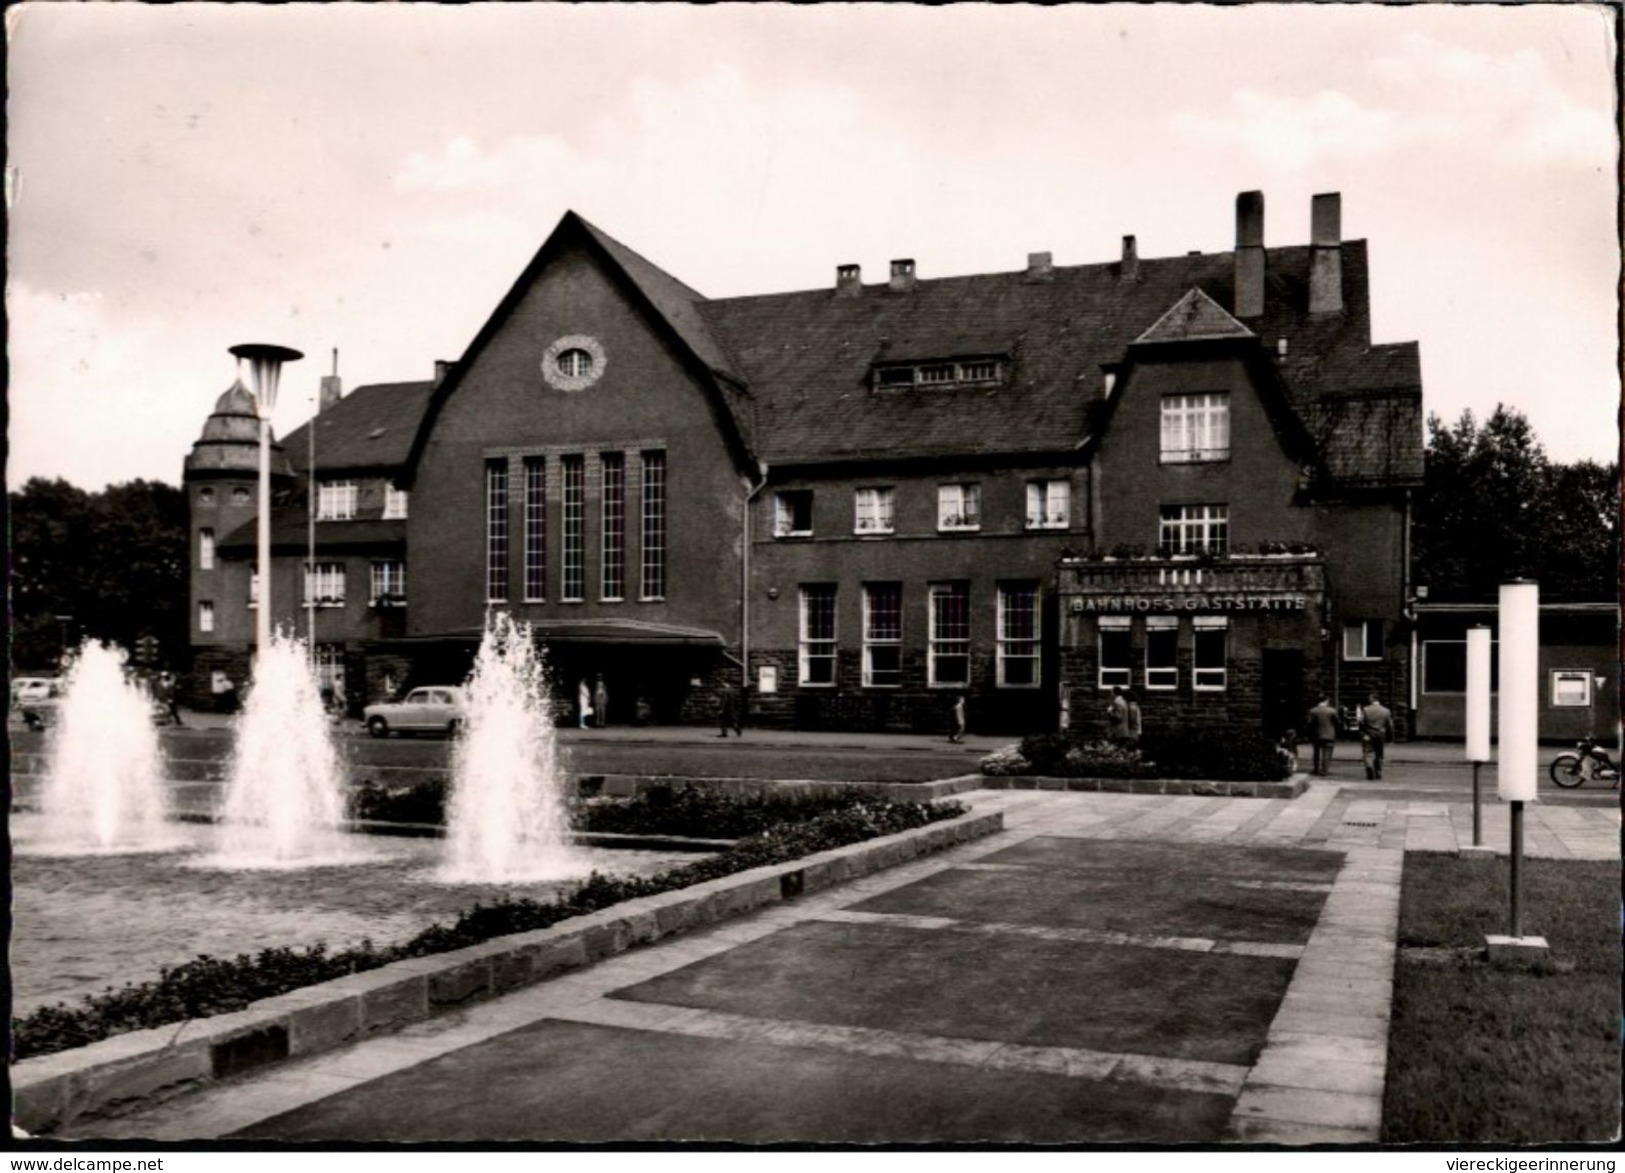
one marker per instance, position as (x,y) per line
(1288,788)
(133,1070)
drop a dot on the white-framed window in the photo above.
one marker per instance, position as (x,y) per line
(1194,529)
(205,549)
(1444,667)
(574,363)
(1362,639)
(938,374)
(1571,688)
(872,511)
(573,543)
(394,503)
(496,531)
(612,528)
(817,643)
(1116,651)
(1018,635)
(882,634)
(1210,652)
(793,513)
(959,507)
(335,500)
(948,662)
(535,470)
(205,497)
(1195,427)
(1161,652)
(205,615)
(653,585)
(388,583)
(242,495)
(1049,504)
(324,584)
(330,668)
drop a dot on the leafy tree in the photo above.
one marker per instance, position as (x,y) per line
(1494,507)
(110,566)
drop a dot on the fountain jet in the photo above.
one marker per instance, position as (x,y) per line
(505,818)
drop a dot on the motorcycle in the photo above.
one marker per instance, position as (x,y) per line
(1589,762)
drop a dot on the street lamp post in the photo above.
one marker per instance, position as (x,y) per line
(265,369)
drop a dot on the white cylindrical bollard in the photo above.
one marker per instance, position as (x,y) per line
(1478,694)
(1518,764)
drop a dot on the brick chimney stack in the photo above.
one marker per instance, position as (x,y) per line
(1129,270)
(902,276)
(1249,254)
(848,280)
(1040,267)
(1326,254)
(332,392)
(442,368)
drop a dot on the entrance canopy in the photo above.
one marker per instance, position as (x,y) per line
(616,632)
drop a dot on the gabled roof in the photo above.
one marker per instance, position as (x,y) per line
(793,373)
(1194,317)
(370,428)
(673,309)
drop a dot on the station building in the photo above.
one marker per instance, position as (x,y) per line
(1191,475)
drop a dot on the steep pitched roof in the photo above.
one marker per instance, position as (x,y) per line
(1195,316)
(672,306)
(370,428)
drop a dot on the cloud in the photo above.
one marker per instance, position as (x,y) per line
(1294,133)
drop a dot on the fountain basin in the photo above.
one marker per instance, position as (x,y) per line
(125,1072)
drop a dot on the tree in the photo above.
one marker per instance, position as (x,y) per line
(1493,507)
(110,566)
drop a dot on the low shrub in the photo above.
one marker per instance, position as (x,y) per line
(1222,755)
(210,985)
(420,802)
(1006,762)
(1212,754)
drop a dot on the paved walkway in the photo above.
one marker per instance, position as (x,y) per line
(757,1030)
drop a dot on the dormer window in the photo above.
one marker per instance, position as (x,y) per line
(336,500)
(938,373)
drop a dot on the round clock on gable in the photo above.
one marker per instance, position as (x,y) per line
(573,363)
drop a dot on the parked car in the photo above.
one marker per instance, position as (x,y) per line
(40,714)
(25,689)
(432,709)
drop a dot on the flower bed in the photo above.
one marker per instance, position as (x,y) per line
(1207,755)
(209,986)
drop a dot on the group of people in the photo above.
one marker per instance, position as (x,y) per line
(1376,725)
(592,703)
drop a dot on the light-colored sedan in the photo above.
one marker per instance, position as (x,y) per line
(434,709)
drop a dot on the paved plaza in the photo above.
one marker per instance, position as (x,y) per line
(1110,967)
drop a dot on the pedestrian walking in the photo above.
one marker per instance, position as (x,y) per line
(166,694)
(1134,726)
(583,703)
(600,701)
(956,720)
(1376,730)
(1117,718)
(1323,732)
(728,715)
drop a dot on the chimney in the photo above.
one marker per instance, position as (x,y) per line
(1326,254)
(332,392)
(848,280)
(1129,270)
(442,368)
(1040,267)
(1249,254)
(902,276)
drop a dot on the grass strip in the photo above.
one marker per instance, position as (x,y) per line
(1505,1054)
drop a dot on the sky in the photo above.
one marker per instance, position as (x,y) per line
(371,179)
